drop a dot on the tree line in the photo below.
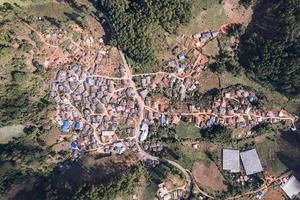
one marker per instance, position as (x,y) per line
(134,24)
(270,48)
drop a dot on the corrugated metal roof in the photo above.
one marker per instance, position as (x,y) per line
(231,160)
(251,162)
(291,187)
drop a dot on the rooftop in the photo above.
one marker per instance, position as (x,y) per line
(251,162)
(231,160)
(291,187)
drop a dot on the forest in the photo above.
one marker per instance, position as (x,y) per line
(270,48)
(134,24)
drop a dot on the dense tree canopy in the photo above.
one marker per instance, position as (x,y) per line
(134,24)
(270,48)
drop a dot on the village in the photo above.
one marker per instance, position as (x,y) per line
(102,107)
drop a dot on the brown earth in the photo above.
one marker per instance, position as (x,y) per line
(110,63)
(275,194)
(52,136)
(208,175)
(208,81)
(207,146)
(237,13)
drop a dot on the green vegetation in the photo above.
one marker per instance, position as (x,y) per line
(267,151)
(217,134)
(269,50)
(20,92)
(134,25)
(187,130)
(121,186)
(184,154)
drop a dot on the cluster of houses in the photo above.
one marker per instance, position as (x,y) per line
(201,38)
(55,36)
(237,108)
(93,107)
(164,194)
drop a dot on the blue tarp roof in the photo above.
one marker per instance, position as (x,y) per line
(181,56)
(77,125)
(65,126)
(74,145)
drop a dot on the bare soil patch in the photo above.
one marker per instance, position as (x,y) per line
(208,175)
(275,194)
(207,146)
(236,13)
(211,48)
(110,63)
(52,136)
(208,81)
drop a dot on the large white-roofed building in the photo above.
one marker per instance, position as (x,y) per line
(251,162)
(231,160)
(291,187)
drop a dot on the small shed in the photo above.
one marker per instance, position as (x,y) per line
(181,56)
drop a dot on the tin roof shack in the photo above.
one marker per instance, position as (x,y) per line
(144,132)
(231,160)
(291,187)
(251,162)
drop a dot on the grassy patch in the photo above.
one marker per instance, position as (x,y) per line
(185,155)
(187,130)
(51,9)
(9,132)
(207,14)
(150,191)
(211,48)
(267,151)
(23,3)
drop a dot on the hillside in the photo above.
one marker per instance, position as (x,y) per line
(269,49)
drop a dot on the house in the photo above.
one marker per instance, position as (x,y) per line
(74,145)
(119,147)
(251,162)
(202,39)
(90,81)
(291,187)
(161,108)
(144,93)
(77,125)
(74,68)
(108,133)
(231,160)
(196,36)
(144,132)
(65,126)
(165,80)
(162,120)
(181,56)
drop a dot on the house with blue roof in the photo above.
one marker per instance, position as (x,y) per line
(74,145)
(202,39)
(181,56)
(77,125)
(65,126)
